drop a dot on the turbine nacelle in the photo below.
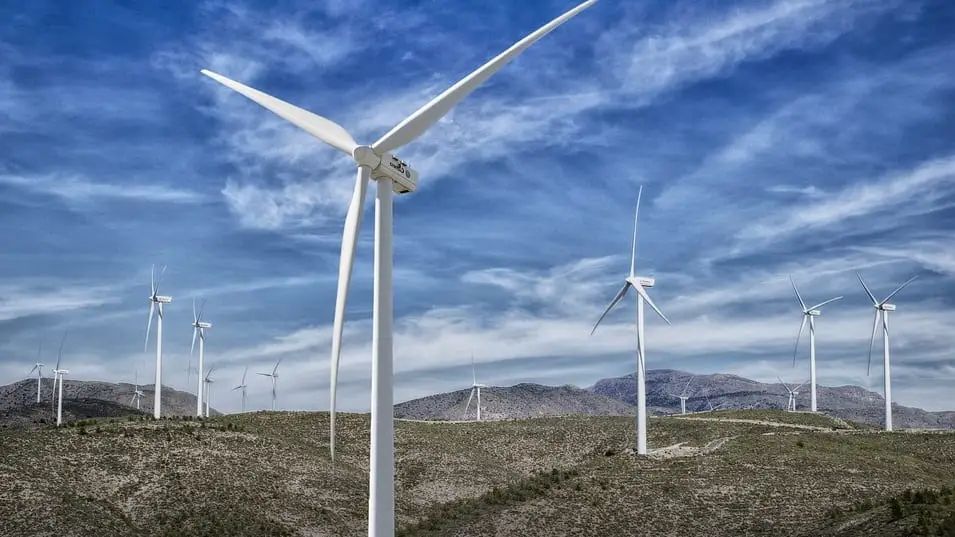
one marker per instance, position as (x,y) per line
(202,324)
(641,281)
(814,313)
(160,299)
(886,307)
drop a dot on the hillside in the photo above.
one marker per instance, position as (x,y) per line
(22,394)
(513,402)
(763,473)
(847,402)
(73,410)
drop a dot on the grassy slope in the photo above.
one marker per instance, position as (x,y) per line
(269,474)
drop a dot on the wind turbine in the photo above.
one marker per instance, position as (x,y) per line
(274,376)
(58,379)
(809,313)
(793,393)
(639,284)
(242,386)
(475,388)
(377,162)
(155,303)
(684,396)
(208,391)
(137,393)
(882,310)
(38,367)
(199,327)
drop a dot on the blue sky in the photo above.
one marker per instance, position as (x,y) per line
(803,137)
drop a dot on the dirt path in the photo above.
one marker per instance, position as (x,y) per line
(763,422)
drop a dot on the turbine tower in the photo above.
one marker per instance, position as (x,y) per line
(684,395)
(137,393)
(155,303)
(639,284)
(793,393)
(810,314)
(379,163)
(242,386)
(475,388)
(58,380)
(882,310)
(38,367)
(199,327)
(274,375)
(208,388)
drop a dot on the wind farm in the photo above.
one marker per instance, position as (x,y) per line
(772,156)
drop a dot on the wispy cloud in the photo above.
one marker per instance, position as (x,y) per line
(41,297)
(77,190)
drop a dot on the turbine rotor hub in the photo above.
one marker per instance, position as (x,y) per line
(365,156)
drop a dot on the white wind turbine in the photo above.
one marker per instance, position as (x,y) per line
(199,328)
(810,314)
(242,386)
(882,310)
(475,388)
(155,303)
(38,367)
(274,375)
(684,395)
(208,388)
(137,393)
(639,284)
(58,380)
(377,162)
(793,393)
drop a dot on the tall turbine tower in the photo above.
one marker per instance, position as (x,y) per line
(639,284)
(38,367)
(810,314)
(475,388)
(274,375)
(392,174)
(155,303)
(242,386)
(199,327)
(58,380)
(882,310)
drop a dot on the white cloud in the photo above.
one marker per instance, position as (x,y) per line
(41,297)
(79,190)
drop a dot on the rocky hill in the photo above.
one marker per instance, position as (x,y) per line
(518,401)
(734,392)
(716,475)
(22,395)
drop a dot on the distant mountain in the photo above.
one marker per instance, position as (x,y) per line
(22,395)
(73,410)
(734,392)
(519,401)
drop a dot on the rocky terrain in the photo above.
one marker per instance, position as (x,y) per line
(18,400)
(514,402)
(712,474)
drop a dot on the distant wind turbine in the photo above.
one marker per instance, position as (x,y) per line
(809,313)
(38,367)
(793,393)
(242,386)
(208,388)
(156,303)
(475,388)
(684,395)
(137,393)
(274,375)
(882,310)
(58,380)
(639,284)
(199,328)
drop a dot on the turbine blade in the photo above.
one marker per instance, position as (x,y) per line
(195,316)
(244,373)
(202,308)
(866,287)
(620,295)
(162,274)
(468,406)
(643,293)
(687,387)
(195,330)
(802,326)
(32,370)
(324,129)
(346,262)
(899,288)
(784,384)
(59,355)
(633,244)
(417,123)
(276,368)
(796,290)
(152,280)
(473,371)
(875,326)
(149,323)
(821,304)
